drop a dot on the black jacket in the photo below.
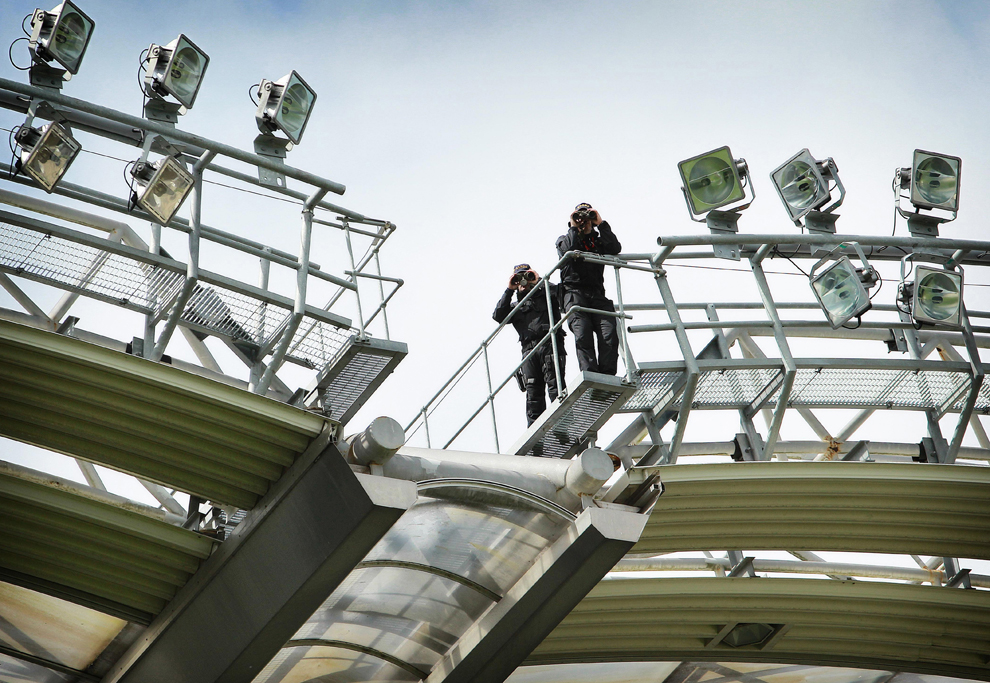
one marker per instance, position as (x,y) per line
(581,274)
(531,321)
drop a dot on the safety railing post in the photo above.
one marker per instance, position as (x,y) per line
(354,278)
(381,294)
(628,360)
(491,397)
(561,389)
(426,427)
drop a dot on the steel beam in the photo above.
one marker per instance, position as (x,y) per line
(312,528)
(560,578)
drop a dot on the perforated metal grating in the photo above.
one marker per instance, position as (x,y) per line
(655,388)
(351,382)
(877,387)
(232,314)
(735,387)
(318,343)
(85,269)
(571,426)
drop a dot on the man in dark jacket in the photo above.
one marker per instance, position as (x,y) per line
(532,322)
(584,285)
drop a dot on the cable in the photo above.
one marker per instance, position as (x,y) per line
(879,284)
(26,17)
(776,251)
(250,93)
(10,55)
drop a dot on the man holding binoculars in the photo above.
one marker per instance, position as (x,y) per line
(584,286)
(532,323)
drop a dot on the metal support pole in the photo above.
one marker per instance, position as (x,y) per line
(299,307)
(690,363)
(790,369)
(976,365)
(92,476)
(426,428)
(949,352)
(623,335)
(561,389)
(357,290)
(192,269)
(381,294)
(932,417)
(491,397)
(23,299)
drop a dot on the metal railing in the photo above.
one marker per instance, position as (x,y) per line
(688,383)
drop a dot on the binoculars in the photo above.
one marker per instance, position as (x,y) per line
(529,275)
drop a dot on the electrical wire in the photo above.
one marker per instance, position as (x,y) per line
(26,17)
(251,95)
(10,55)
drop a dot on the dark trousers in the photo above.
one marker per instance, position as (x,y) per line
(587,326)
(538,377)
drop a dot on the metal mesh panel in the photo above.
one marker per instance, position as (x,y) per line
(732,387)
(322,343)
(78,267)
(877,387)
(351,381)
(232,314)
(655,388)
(573,424)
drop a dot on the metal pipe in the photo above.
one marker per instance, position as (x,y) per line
(23,299)
(561,389)
(824,240)
(353,271)
(381,296)
(491,399)
(170,133)
(976,382)
(629,362)
(690,363)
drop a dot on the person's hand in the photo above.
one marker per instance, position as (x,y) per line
(513,282)
(596,218)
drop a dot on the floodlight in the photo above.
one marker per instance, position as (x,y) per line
(47,153)
(803,185)
(711,181)
(285,105)
(62,34)
(840,293)
(933,180)
(937,298)
(166,185)
(842,289)
(176,69)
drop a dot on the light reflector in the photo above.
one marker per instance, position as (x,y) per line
(50,156)
(62,34)
(840,292)
(937,296)
(935,180)
(166,189)
(801,185)
(711,180)
(177,70)
(285,105)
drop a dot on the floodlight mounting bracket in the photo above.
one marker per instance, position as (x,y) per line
(724,223)
(44,76)
(156,109)
(268,145)
(820,222)
(924,225)
(867,269)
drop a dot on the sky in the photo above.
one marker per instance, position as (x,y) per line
(475,127)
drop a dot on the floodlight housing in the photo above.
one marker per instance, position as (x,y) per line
(285,105)
(176,69)
(47,153)
(712,180)
(802,182)
(937,297)
(840,292)
(933,183)
(62,34)
(166,185)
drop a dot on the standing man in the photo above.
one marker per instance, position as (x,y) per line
(532,323)
(584,285)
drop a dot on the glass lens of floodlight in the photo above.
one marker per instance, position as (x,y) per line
(801,185)
(935,180)
(51,157)
(711,180)
(938,294)
(70,37)
(840,293)
(166,191)
(184,72)
(293,110)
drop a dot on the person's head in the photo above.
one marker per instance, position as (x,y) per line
(583,218)
(524,277)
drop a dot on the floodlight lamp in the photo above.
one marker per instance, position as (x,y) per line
(803,184)
(61,34)
(842,289)
(933,184)
(166,185)
(937,297)
(176,69)
(47,153)
(285,105)
(711,181)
